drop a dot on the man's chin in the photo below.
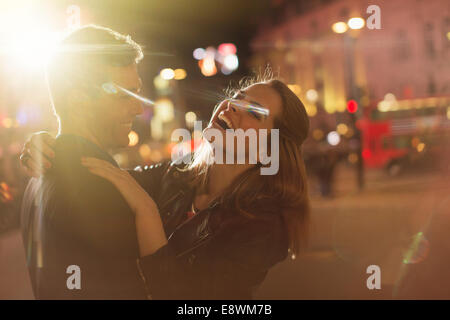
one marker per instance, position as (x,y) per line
(120,142)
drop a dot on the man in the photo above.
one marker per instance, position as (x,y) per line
(79,233)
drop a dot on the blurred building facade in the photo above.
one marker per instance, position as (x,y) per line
(407,58)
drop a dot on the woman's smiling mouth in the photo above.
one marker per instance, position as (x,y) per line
(224,122)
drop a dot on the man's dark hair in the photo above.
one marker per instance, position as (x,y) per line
(80,60)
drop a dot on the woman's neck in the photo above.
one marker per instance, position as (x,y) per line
(220,176)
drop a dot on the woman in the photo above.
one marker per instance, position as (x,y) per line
(209,230)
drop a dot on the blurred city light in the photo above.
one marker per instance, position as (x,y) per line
(318,134)
(156,156)
(133,138)
(311,110)
(350,133)
(389,97)
(312,95)
(295,88)
(160,83)
(208,66)
(415,142)
(366,153)
(356,23)
(180,74)
(167,74)
(231,62)
(333,138)
(342,128)
(164,109)
(420,147)
(156,128)
(227,49)
(190,117)
(5,193)
(145,152)
(225,56)
(352,158)
(352,106)
(225,70)
(199,53)
(26,37)
(339,27)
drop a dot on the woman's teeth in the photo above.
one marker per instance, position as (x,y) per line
(227,122)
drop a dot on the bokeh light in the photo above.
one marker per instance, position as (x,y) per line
(333,138)
(190,117)
(199,53)
(180,74)
(164,109)
(227,49)
(167,74)
(339,27)
(356,23)
(312,95)
(133,138)
(342,128)
(231,62)
(160,83)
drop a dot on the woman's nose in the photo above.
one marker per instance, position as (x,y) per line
(231,107)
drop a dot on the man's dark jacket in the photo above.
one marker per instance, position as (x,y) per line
(72,217)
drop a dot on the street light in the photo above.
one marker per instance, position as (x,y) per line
(339,27)
(354,23)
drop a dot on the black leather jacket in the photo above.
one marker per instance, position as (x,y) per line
(216,254)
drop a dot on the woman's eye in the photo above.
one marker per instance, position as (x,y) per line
(255,114)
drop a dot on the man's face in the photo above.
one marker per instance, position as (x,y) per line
(114,113)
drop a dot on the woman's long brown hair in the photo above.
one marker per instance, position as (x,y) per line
(284,193)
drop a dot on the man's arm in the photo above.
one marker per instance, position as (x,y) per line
(96,231)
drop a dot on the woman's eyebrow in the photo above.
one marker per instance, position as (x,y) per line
(244,95)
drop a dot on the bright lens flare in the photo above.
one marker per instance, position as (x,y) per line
(25,38)
(246,106)
(112,88)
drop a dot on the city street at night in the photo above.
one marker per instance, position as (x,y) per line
(269,152)
(374,227)
(349,232)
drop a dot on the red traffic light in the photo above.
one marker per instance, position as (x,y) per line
(352,106)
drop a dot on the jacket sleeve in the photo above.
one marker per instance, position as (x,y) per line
(149,177)
(229,266)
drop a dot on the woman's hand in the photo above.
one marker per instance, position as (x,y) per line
(136,197)
(36,154)
(149,228)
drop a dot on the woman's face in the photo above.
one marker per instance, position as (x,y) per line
(229,116)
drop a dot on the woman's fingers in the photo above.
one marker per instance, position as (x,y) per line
(101,172)
(43,142)
(39,158)
(94,162)
(103,169)
(48,139)
(44,149)
(33,168)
